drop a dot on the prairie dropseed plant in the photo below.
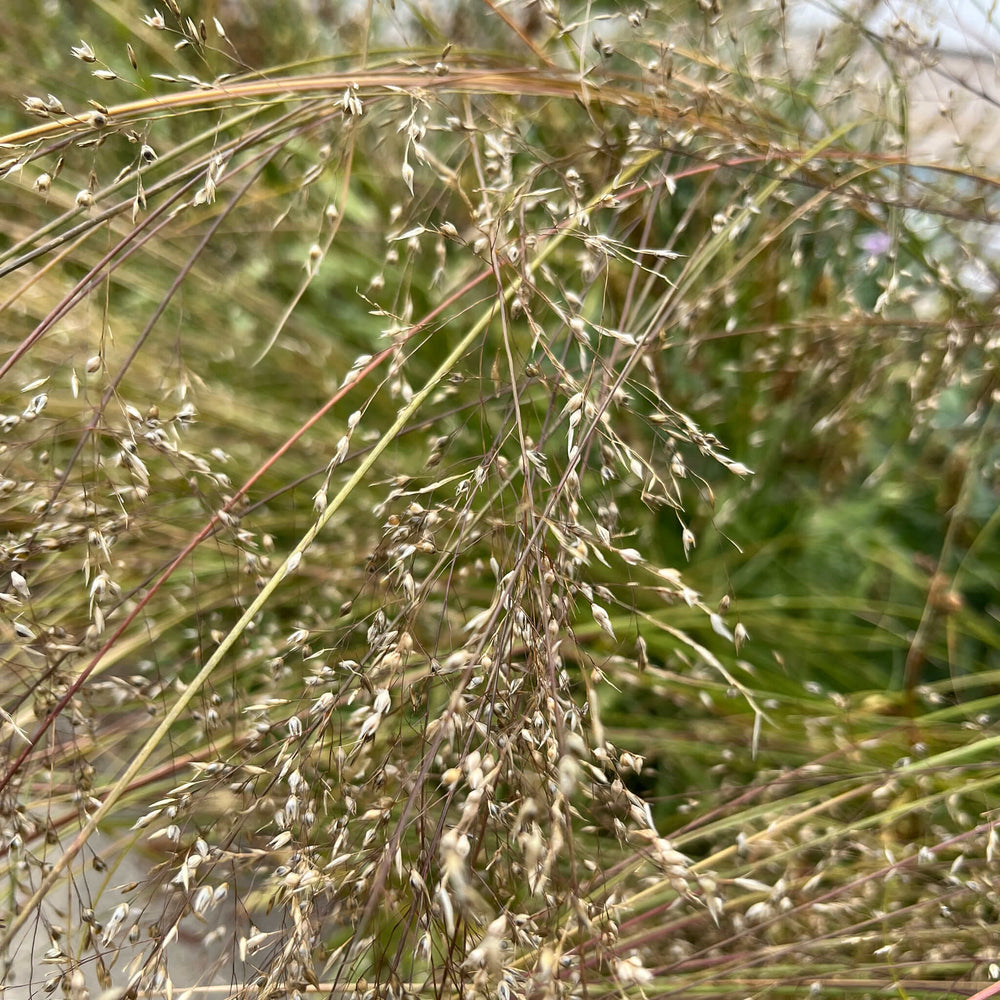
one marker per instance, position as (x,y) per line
(497,502)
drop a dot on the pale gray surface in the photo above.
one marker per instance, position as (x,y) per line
(189,958)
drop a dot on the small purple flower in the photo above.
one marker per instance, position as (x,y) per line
(876,243)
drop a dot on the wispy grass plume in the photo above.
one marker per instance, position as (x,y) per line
(498,502)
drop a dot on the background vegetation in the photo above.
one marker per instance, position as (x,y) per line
(498,500)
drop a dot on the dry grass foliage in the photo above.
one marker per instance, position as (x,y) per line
(363,427)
